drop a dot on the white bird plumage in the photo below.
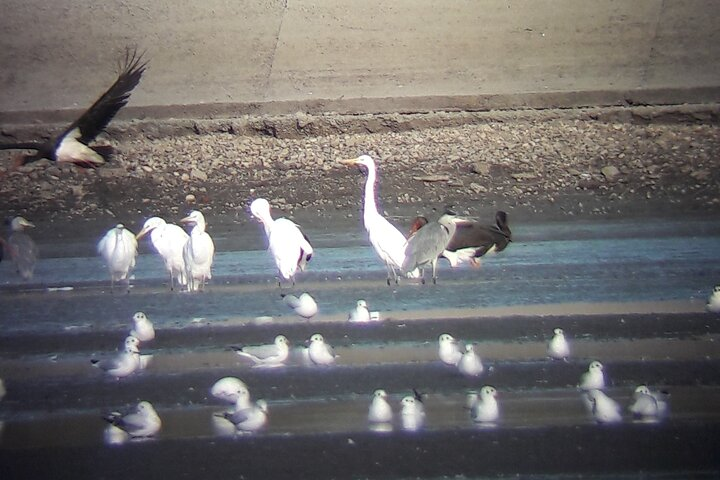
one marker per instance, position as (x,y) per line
(143,421)
(593,378)
(360,313)
(287,244)
(118,249)
(229,389)
(412,413)
(648,405)
(304,305)
(386,239)
(380,410)
(123,364)
(484,406)
(142,328)
(250,419)
(271,355)
(713,303)
(319,352)
(603,408)
(198,252)
(169,241)
(470,364)
(449,349)
(558,347)
(22,248)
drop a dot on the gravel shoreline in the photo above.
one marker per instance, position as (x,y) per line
(535,165)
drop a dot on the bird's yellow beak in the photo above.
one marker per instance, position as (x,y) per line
(26,223)
(142,233)
(187,219)
(351,161)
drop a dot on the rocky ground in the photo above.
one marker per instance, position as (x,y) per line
(546,164)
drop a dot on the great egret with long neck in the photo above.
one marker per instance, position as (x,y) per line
(198,252)
(169,241)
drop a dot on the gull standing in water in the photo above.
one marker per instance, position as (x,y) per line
(603,408)
(412,413)
(594,378)
(558,347)
(319,352)
(22,249)
(427,244)
(143,421)
(647,405)
(380,410)
(287,244)
(470,364)
(118,248)
(143,328)
(272,355)
(169,241)
(449,349)
(198,252)
(484,407)
(386,239)
(360,313)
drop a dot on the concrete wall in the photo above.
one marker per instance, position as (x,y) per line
(62,54)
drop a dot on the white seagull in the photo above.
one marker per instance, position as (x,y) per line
(118,249)
(125,363)
(360,313)
(380,410)
(22,249)
(470,364)
(412,413)
(449,349)
(713,303)
(143,421)
(647,405)
(593,379)
(603,408)
(287,244)
(304,305)
(319,352)
(198,252)
(250,419)
(272,355)
(386,239)
(558,347)
(484,407)
(169,241)
(228,389)
(143,328)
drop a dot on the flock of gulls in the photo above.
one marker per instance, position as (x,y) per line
(188,259)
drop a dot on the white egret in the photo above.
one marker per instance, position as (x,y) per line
(360,313)
(267,355)
(319,352)
(558,347)
(198,252)
(118,248)
(143,328)
(603,408)
(71,145)
(125,363)
(449,349)
(169,241)
(472,239)
(484,407)
(713,303)
(249,419)
(380,410)
(143,421)
(386,239)
(594,378)
(304,305)
(427,244)
(470,364)
(287,244)
(22,249)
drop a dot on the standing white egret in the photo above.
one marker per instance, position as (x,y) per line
(386,239)
(198,252)
(427,244)
(118,248)
(22,248)
(169,240)
(287,244)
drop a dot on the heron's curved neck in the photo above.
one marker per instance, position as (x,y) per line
(370,209)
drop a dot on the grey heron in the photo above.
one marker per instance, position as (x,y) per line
(427,244)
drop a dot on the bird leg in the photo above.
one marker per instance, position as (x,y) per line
(434,271)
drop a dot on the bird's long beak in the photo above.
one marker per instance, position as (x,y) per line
(142,233)
(351,161)
(186,220)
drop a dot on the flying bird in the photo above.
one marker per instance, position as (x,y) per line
(143,328)
(380,410)
(427,244)
(304,305)
(288,245)
(484,407)
(449,349)
(386,239)
(169,241)
(73,144)
(558,347)
(198,252)
(118,249)
(473,239)
(143,421)
(593,378)
(272,355)
(22,248)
